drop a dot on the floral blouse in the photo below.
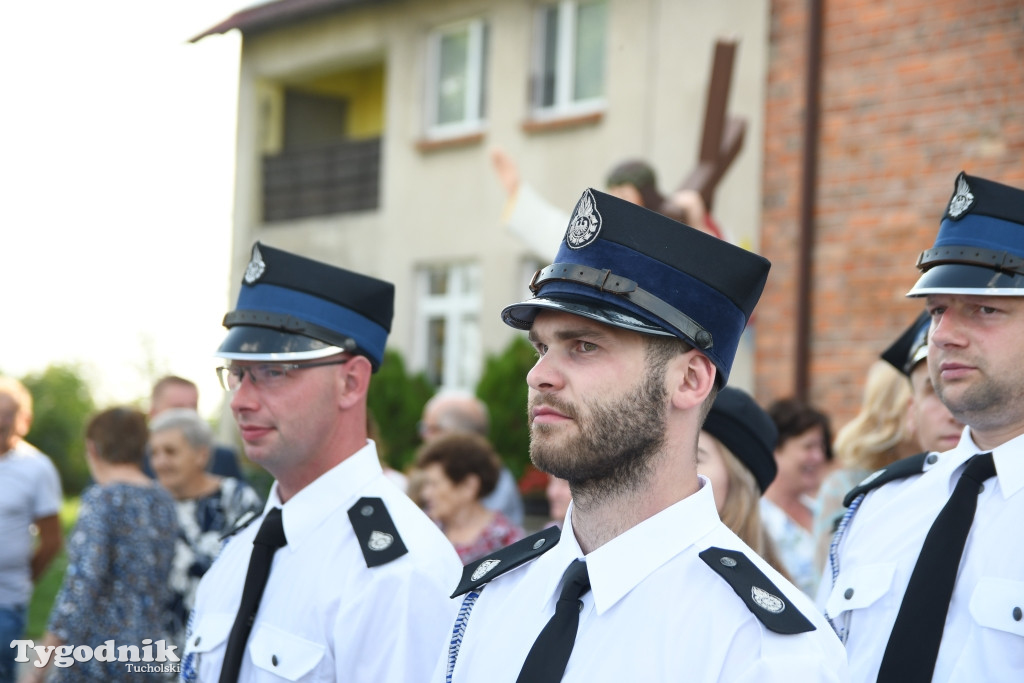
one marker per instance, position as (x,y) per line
(202,523)
(498,534)
(115,587)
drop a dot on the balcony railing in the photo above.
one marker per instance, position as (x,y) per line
(335,178)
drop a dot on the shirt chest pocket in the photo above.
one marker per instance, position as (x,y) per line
(860,587)
(283,654)
(999,604)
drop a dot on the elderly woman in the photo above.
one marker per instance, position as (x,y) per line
(208,506)
(119,554)
(458,471)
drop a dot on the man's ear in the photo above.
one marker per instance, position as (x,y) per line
(353,381)
(691,378)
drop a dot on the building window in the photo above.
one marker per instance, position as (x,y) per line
(568,74)
(457,67)
(448,329)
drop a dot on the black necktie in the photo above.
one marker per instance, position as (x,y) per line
(914,643)
(550,652)
(268,539)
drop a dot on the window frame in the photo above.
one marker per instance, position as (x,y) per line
(462,351)
(564,105)
(474,99)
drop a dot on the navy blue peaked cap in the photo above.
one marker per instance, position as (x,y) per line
(911,347)
(747,431)
(626,266)
(980,246)
(294,308)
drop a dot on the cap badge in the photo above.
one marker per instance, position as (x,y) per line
(585,223)
(254,271)
(767,601)
(962,200)
(485,566)
(380,541)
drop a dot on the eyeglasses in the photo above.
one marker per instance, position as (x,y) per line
(267,375)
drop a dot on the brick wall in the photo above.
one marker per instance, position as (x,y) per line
(911,93)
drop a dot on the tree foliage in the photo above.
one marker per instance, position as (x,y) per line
(396,401)
(502,387)
(62,405)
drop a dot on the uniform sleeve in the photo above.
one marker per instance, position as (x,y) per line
(405,620)
(89,551)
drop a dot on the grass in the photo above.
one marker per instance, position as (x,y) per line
(47,586)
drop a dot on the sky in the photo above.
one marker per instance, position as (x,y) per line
(117,141)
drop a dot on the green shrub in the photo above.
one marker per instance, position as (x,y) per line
(502,387)
(396,401)
(62,404)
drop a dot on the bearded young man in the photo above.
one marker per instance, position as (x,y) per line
(927,567)
(635,326)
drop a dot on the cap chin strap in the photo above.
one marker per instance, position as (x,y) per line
(288,323)
(606,281)
(971,256)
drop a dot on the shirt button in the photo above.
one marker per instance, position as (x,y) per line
(932,459)
(580,605)
(1017,614)
(848,594)
(728,562)
(538,544)
(196,641)
(273,659)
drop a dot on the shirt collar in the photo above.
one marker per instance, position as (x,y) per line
(336,488)
(1009,459)
(623,562)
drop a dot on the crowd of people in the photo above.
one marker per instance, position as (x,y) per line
(692,531)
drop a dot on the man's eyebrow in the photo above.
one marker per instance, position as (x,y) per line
(590,332)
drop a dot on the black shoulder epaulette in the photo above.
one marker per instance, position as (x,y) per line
(901,469)
(758,593)
(478,572)
(243,521)
(378,537)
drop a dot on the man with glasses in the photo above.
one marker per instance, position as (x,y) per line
(343,577)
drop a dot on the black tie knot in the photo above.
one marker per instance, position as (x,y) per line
(577,582)
(980,468)
(271,531)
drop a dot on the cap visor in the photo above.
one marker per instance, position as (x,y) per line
(958,278)
(244,342)
(521,315)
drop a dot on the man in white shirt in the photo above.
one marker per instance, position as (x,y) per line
(636,325)
(30,494)
(973,287)
(358,575)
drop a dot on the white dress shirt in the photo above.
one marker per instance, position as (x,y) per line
(324,615)
(655,612)
(983,638)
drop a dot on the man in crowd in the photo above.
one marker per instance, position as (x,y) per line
(30,495)
(358,575)
(636,325)
(928,568)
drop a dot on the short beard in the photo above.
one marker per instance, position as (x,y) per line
(980,406)
(616,443)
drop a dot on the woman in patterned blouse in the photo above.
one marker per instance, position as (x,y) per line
(458,471)
(208,506)
(119,556)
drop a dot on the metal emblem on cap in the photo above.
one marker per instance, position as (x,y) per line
(254,271)
(380,541)
(585,223)
(962,200)
(485,566)
(767,601)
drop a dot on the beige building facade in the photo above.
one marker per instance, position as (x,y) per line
(365,130)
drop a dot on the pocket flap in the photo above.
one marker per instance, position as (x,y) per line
(999,604)
(859,587)
(283,654)
(209,632)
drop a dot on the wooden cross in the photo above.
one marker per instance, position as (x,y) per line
(722,137)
